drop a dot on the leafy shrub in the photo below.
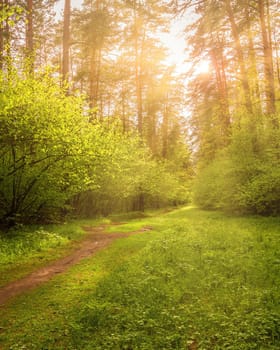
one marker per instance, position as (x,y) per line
(245,177)
(43,140)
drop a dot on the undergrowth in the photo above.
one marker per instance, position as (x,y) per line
(199,280)
(28,247)
(207,282)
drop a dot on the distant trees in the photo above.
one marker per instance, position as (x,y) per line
(117,60)
(235,117)
(26,27)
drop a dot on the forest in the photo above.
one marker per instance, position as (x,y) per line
(95,119)
(139,174)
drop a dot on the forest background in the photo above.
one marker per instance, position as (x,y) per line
(94,119)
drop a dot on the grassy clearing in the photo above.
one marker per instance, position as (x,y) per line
(199,280)
(25,249)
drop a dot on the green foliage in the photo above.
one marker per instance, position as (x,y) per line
(22,245)
(9,12)
(245,177)
(262,194)
(52,156)
(132,176)
(44,138)
(210,186)
(24,249)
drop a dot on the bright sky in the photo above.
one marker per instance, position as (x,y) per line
(174,41)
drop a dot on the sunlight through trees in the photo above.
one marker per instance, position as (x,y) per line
(212,118)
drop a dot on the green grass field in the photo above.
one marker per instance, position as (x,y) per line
(198,280)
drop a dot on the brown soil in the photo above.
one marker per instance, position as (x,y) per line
(95,240)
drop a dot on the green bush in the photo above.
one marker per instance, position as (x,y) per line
(245,177)
(49,150)
(53,158)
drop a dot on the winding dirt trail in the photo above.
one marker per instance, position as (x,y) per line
(95,240)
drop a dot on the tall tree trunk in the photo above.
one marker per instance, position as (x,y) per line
(7,42)
(221,83)
(268,60)
(165,124)
(139,89)
(29,36)
(95,66)
(138,69)
(240,56)
(150,121)
(92,77)
(94,82)
(123,108)
(97,77)
(1,37)
(66,41)
(138,81)
(276,48)
(253,72)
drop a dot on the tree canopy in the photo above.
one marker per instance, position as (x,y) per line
(94,118)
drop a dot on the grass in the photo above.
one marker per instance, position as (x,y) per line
(199,280)
(25,249)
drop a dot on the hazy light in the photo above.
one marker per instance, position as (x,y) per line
(59,6)
(202,67)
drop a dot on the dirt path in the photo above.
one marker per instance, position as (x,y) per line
(94,241)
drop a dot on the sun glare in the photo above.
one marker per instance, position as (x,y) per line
(202,67)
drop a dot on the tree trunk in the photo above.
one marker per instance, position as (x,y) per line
(138,70)
(29,36)
(123,108)
(95,66)
(253,72)
(221,83)
(165,124)
(1,37)
(276,48)
(66,41)
(240,56)
(7,43)
(268,60)
(92,77)
(138,82)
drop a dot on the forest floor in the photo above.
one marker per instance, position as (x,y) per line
(94,241)
(190,280)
